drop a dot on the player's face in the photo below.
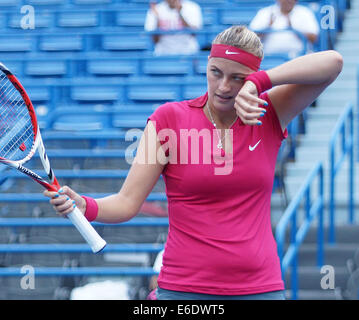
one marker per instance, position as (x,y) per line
(173,3)
(224,80)
(287,5)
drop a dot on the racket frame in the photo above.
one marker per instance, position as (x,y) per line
(83,226)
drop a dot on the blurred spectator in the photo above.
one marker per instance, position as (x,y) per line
(172,15)
(153,281)
(282,15)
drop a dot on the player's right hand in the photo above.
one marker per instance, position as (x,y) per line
(65,200)
(247,104)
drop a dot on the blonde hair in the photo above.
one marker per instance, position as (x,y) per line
(241,37)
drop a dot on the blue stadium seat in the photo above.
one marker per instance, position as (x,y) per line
(252,4)
(127,42)
(194,91)
(16,44)
(48,2)
(39,93)
(42,20)
(62,43)
(209,16)
(15,66)
(130,120)
(152,93)
(235,16)
(167,66)
(273,60)
(78,19)
(8,3)
(131,18)
(93,2)
(46,68)
(200,65)
(210,3)
(92,94)
(72,122)
(128,123)
(112,67)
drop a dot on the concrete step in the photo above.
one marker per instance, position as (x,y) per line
(321,153)
(346,234)
(348,72)
(310,137)
(313,146)
(344,84)
(325,125)
(346,50)
(349,34)
(313,141)
(319,114)
(310,154)
(341,215)
(294,182)
(314,295)
(335,255)
(309,278)
(314,112)
(346,44)
(302,169)
(354,6)
(336,100)
(341,197)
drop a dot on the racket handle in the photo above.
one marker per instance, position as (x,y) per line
(87,231)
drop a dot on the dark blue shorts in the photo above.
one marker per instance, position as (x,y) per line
(163,294)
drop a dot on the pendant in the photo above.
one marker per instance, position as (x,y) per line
(219,145)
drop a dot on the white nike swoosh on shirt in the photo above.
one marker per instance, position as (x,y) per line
(255,146)
(230,52)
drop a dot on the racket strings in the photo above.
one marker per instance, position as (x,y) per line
(16,132)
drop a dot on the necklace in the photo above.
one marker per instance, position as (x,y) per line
(220,144)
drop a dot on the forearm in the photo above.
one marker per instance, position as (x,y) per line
(311,37)
(185,23)
(124,205)
(316,68)
(116,208)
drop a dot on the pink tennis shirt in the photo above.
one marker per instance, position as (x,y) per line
(220,239)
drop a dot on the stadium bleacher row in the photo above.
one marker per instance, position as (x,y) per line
(89,70)
(134,65)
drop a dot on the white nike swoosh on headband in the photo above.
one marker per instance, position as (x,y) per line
(230,52)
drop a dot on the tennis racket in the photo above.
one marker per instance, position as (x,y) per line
(20,138)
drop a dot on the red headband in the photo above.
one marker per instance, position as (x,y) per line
(235,54)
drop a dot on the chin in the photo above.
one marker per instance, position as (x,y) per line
(223,105)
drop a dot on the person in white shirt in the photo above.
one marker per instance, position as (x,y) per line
(282,15)
(171,15)
(153,280)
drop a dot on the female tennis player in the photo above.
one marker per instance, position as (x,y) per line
(217,154)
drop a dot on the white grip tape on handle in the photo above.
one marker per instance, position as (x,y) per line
(87,231)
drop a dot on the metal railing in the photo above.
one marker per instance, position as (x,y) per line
(343,134)
(313,208)
(358,109)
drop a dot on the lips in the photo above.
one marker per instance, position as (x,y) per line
(223,98)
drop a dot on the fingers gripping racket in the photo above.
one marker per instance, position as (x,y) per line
(20,138)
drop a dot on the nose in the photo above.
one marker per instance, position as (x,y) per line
(224,85)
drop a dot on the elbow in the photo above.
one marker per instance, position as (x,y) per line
(336,63)
(130,212)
